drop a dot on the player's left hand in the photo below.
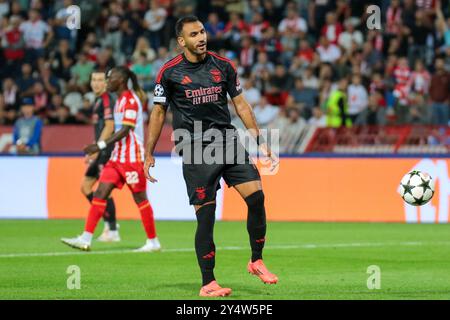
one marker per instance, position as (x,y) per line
(91,149)
(149,162)
(274,160)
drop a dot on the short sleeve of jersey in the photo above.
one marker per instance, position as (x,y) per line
(130,112)
(161,91)
(108,107)
(233,85)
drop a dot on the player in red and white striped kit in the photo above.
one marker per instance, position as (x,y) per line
(126,163)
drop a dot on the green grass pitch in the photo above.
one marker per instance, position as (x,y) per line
(312,260)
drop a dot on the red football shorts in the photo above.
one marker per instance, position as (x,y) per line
(119,174)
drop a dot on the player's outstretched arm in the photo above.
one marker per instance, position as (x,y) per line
(102,144)
(155,126)
(245,112)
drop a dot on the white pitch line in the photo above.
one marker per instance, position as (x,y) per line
(274,247)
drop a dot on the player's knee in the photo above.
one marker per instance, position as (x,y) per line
(85,190)
(206,213)
(139,197)
(255,200)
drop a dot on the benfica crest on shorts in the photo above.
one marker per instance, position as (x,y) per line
(216,75)
(201,193)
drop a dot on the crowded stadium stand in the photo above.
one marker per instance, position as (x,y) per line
(309,67)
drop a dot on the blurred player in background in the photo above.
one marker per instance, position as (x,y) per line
(103,119)
(195,84)
(126,163)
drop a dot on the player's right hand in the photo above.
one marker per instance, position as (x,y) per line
(149,162)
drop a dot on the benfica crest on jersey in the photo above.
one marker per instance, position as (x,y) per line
(216,75)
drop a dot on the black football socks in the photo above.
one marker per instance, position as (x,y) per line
(256,223)
(204,243)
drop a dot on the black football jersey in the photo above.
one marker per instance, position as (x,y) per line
(103,110)
(198,91)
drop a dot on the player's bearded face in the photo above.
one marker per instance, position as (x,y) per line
(194,38)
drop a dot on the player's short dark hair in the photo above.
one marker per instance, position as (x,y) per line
(180,23)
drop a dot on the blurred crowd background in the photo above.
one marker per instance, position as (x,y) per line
(301,62)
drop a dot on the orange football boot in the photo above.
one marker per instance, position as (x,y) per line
(258,269)
(213,289)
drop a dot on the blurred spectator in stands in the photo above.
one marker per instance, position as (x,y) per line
(247,55)
(419,81)
(62,116)
(293,23)
(324,93)
(41,99)
(62,32)
(50,82)
(81,72)
(143,69)
(440,93)
(309,79)
(143,48)
(377,83)
(402,74)
(56,102)
(113,33)
(372,59)
(215,29)
(27,130)
(350,37)
(37,35)
(419,111)
(162,57)
(342,68)
(272,13)
(10,93)
(62,60)
(358,98)
(84,115)
(393,18)
(262,63)
(409,13)
(443,27)
(418,37)
(131,26)
(281,83)
(265,113)
(305,53)
(257,26)
(308,97)
(372,115)
(271,45)
(73,99)
(337,107)
(13,46)
(253,7)
(234,29)
(318,119)
(105,60)
(332,29)
(328,52)
(154,21)
(251,94)
(25,81)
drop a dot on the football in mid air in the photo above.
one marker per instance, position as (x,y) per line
(416,188)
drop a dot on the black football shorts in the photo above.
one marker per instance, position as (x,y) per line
(203,180)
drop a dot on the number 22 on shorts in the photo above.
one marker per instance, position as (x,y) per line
(132,177)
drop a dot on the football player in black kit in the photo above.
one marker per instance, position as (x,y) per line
(102,113)
(195,85)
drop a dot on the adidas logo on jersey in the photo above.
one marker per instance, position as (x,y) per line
(186,80)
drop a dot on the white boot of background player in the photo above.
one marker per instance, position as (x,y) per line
(109,235)
(151,245)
